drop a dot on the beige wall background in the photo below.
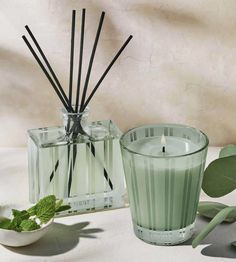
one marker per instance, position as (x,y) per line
(180,66)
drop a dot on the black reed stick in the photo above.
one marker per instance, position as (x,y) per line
(70,98)
(71,65)
(68,107)
(60,92)
(106,71)
(72,165)
(105,174)
(86,84)
(80,60)
(48,64)
(46,73)
(55,169)
(91,61)
(72,55)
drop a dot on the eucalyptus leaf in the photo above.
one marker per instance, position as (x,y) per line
(229,150)
(220,217)
(211,209)
(220,177)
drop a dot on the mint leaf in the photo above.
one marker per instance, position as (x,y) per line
(29,225)
(58,204)
(45,208)
(20,214)
(15,224)
(32,210)
(59,207)
(5,223)
(63,208)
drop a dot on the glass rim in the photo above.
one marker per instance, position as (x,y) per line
(164,156)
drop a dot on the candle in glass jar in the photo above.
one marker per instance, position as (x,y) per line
(163,175)
(176,184)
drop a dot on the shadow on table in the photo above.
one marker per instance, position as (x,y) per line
(218,241)
(60,239)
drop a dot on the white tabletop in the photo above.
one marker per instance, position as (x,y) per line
(102,236)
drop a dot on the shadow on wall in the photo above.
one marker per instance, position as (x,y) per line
(134,109)
(27,98)
(22,95)
(215,112)
(110,40)
(169,15)
(140,91)
(205,104)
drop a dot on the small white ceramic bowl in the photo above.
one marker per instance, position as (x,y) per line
(19,239)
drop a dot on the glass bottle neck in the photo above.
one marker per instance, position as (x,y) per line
(75,123)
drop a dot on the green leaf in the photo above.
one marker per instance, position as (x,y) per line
(211,209)
(220,177)
(32,210)
(63,208)
(5,222)
(29,225)
(45,208)
(20,214)
(15,224)
(220,217)
(229,150)
(58,204)
(233,243)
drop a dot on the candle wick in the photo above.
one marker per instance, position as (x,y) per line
(163,149)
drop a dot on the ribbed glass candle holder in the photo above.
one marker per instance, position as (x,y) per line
(164,180)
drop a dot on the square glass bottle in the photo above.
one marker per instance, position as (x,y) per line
(79,162)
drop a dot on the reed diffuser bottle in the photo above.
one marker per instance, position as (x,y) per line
(84,169)
(80,161)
